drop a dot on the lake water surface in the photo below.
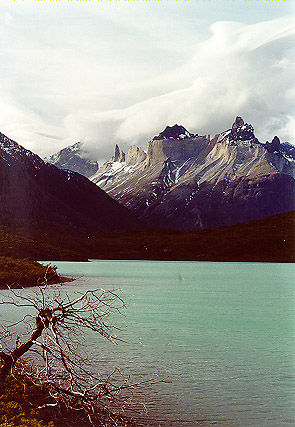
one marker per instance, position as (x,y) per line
(223,334)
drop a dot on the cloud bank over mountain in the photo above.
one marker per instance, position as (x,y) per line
(124,87)
(239,68)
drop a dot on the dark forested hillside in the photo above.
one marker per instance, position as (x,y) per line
(270,239)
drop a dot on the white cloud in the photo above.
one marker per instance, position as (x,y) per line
(7,18)
(121,74)
(233,72)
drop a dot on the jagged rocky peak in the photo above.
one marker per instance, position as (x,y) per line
(274,145)
(119,155)
(135,155)
(173,132)
(242,131)
(239,122)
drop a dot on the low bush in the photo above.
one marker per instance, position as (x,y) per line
(23,272)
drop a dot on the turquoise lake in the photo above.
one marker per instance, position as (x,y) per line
(222,334)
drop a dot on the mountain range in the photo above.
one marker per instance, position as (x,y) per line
(32,190)
(187,181)
(183,182)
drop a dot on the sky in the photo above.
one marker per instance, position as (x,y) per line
(107,72)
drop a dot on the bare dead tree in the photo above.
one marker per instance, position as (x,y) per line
(52,327)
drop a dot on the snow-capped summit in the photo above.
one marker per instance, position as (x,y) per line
(75,159)
(11,151)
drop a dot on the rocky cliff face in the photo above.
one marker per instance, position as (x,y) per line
(72,158)
(187,181)
(32,190)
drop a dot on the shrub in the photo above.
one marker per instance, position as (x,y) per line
(24,272)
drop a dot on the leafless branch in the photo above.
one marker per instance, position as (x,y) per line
(53,329)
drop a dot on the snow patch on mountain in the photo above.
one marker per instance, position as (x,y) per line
(17,152)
